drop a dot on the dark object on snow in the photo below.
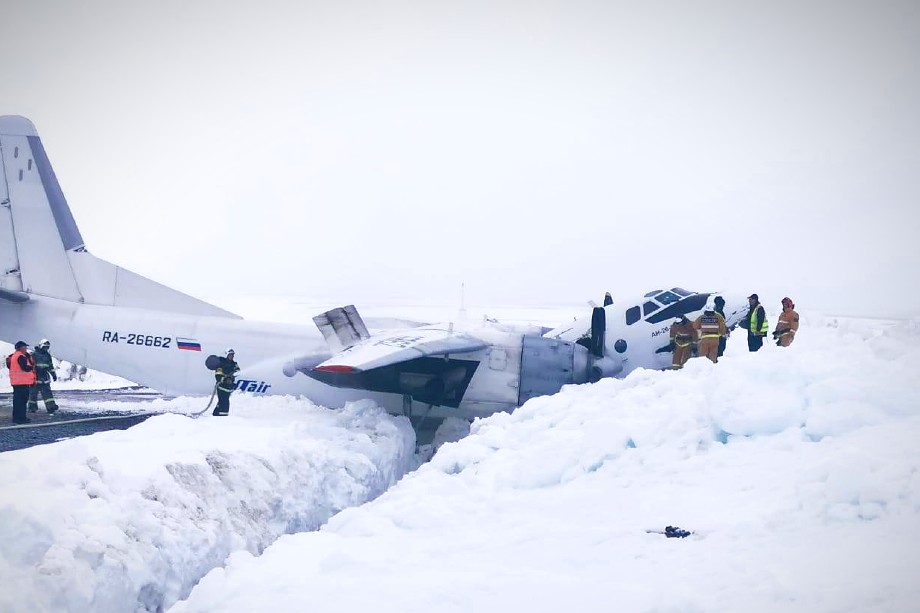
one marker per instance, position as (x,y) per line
(674,532)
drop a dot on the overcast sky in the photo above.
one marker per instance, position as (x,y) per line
(537,152)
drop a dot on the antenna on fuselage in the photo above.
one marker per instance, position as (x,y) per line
(461,314)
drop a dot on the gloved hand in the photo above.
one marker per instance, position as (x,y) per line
(54,375)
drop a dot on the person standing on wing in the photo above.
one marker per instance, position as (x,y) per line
(226,383)
(787,324)
(22,377)
(44,373)
(755,323)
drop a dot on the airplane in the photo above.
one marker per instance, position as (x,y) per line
(113,320)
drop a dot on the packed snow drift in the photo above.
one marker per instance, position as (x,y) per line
(796,471)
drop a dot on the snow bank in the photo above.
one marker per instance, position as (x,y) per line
(798,470)
(130,520)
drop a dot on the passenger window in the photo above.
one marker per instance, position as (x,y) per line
(632,315)
(649,307)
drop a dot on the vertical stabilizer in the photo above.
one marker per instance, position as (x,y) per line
(41,248)
(39,219)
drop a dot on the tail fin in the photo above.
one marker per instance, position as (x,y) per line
(41,249)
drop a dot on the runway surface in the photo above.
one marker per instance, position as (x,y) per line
(68,422)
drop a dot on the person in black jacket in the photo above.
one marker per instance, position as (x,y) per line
(719,303)
(755,323)
(226,383)
(44,373)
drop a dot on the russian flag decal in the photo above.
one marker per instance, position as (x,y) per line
(189,344)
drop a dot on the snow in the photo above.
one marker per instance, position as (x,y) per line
(797,470)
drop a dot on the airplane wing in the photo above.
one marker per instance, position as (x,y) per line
(400,346)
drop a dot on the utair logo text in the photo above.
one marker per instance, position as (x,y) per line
(251,385)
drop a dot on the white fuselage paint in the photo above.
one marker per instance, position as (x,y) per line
(86,334)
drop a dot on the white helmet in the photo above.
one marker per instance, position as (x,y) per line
(229,352)
(44,343)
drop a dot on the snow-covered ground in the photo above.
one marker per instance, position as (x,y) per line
(798,470)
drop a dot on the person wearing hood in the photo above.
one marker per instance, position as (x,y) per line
(787,324)
(710,327)
(681,341)
(44,373)
(755,323)
(719,303)
(22,377)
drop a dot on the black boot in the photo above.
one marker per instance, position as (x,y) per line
(51,406)
(33,406)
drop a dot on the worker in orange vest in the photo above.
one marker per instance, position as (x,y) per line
(22,378)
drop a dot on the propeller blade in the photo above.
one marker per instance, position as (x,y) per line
(598,329)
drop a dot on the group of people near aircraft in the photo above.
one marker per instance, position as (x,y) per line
(31,375)
(706,336)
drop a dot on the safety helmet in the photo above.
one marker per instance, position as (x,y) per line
(710,304)
(230,352)
(44,343)
(787,302)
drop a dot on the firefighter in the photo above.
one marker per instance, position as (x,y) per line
(710,327)
(681,340)
(225,382)
(44,373)
(787,324)
(22,377)
(755,323)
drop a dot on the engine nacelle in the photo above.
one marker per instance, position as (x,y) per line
(547,364)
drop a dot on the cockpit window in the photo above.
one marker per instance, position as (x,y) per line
(680,291)
(667,297)
(649,307)
(632,315)
(652,293)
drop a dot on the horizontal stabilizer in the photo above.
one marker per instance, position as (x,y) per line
(341,327)
(400,346)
